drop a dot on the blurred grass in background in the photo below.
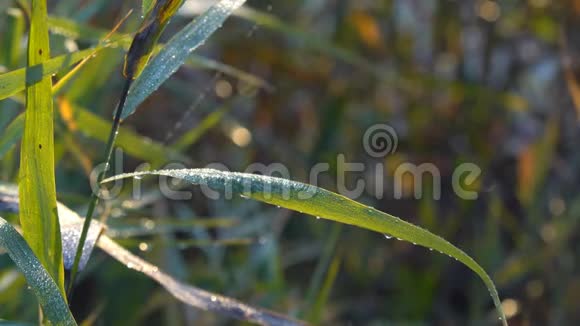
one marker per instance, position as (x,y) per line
(492,83)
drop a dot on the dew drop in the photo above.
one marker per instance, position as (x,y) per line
(144,246)
(317,217)
(388,236)
(213,299)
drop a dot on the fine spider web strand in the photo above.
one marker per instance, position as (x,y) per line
(199,100)
(204,94)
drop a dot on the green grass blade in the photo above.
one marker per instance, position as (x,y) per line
(38,213)
(11,135)
(131,142)
(325,204)
(15,81)
(177,51)
(49,296)
(13,36)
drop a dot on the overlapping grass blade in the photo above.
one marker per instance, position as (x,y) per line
(38,212)
(15,81)
(11,135)
(177,51)
(47,292)
(325,204)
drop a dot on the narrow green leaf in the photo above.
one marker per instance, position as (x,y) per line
(11,135)
(16,24)
(38,212)
(325,204)
(15,81)
(176,52)
(131,142)
(47,292)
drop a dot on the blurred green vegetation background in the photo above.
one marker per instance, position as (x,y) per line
(495,83)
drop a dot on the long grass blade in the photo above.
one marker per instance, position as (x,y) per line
(325,204)
(38,212)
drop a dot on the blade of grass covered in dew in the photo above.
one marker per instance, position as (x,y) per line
(177,51)
(321,272)
(72,29)
(38,213)
(316,201)
(136,60)
(50,298)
